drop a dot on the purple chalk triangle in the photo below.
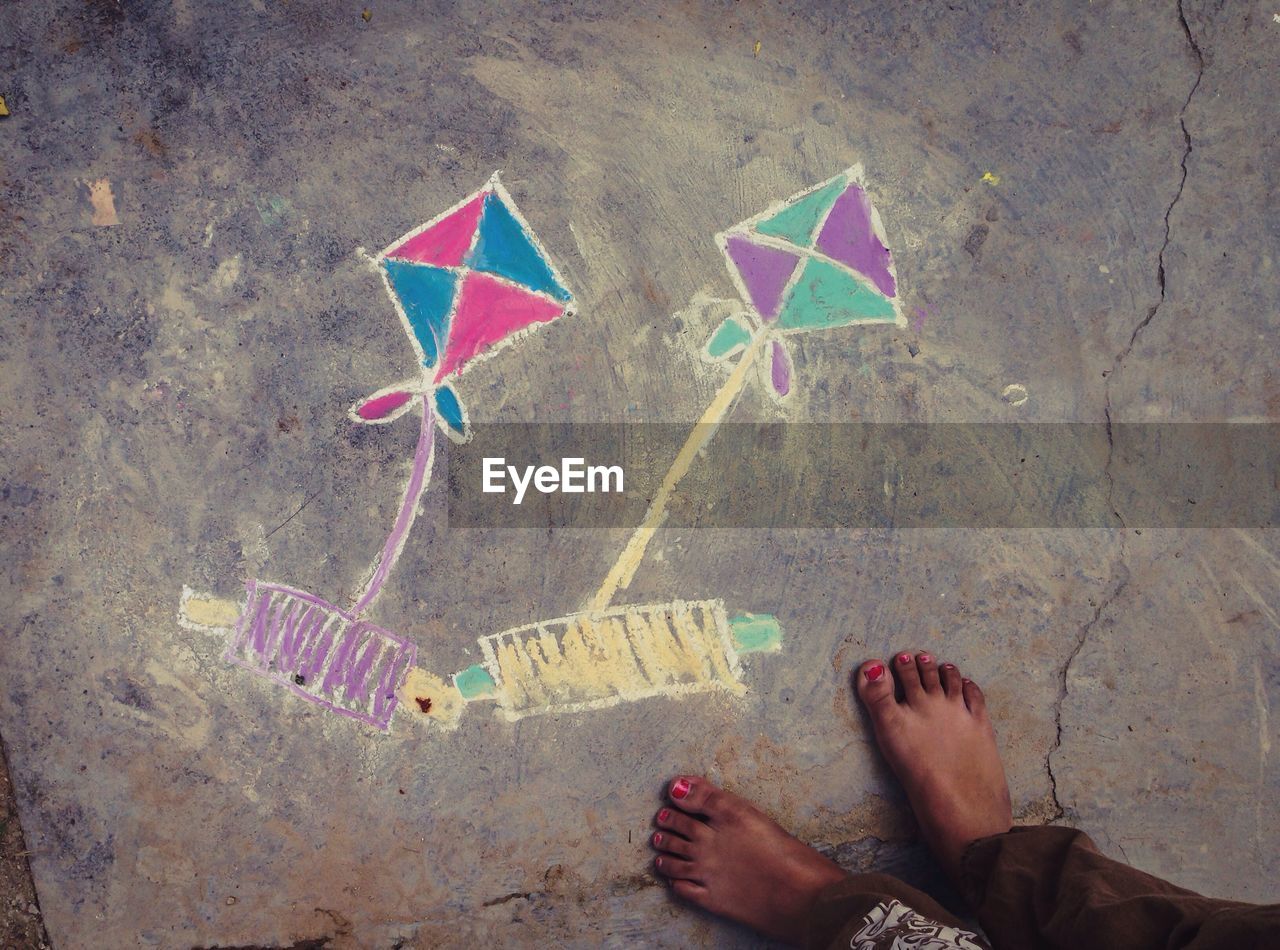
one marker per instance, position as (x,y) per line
(849,238)
(780,369)
(764,270)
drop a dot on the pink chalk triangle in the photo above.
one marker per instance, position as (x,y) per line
(446,242)
(489,310)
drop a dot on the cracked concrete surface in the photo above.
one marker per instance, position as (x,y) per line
(1182,183)
(175,387)
(1064,684)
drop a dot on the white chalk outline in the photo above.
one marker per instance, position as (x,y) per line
(416,388)
(750,317)
(412,387)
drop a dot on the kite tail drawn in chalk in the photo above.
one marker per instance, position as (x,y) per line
(818,260)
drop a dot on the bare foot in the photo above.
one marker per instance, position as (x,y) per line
(940,743)
(726,856)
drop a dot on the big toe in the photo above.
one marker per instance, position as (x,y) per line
(874,686)
(696,795)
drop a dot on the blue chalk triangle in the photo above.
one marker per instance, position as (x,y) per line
(504,247)
(450,409)
(426,293)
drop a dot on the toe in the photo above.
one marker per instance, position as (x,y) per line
(928,668)
(974,699)
(672,844)
(951,681)
(875,688)
(904,666)
(675,868)
(694,795)
(669,819)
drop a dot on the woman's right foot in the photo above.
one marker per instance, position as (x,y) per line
(726,856)
(940,743)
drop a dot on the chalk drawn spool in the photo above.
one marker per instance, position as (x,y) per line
(597,659)
(321,653)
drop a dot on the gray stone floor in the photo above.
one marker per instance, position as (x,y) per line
(177,366)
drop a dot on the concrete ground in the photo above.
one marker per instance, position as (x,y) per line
(1081,200)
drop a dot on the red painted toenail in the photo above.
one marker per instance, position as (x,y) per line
(904,658)
(680,789)
(873,673)
(948,666)
(657,839)
(925,658)
(657,862)
(664,814)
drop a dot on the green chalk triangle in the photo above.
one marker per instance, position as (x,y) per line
(729,337)
(826,295)
(797,221)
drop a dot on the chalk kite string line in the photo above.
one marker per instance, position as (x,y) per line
(624,568)
(413,492)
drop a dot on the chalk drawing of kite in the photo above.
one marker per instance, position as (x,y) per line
(817,261)
(464,284)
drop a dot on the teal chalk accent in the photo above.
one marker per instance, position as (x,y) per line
(475,682)
(756,633)
(730,336)
(797,222)
(450,408)
(829,296)
(503,247)
(426,293)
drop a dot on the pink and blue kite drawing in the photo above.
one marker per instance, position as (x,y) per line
(464,284)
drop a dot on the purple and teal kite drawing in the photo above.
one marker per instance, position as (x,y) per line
(464,284)
(816,261)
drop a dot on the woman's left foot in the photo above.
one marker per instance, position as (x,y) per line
(726,856)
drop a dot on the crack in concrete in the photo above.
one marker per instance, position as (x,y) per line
(1111,454)
(507,898)
(1118,362)
(1186,153)
(1120,580)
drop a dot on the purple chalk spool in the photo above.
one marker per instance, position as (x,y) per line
(321,653)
